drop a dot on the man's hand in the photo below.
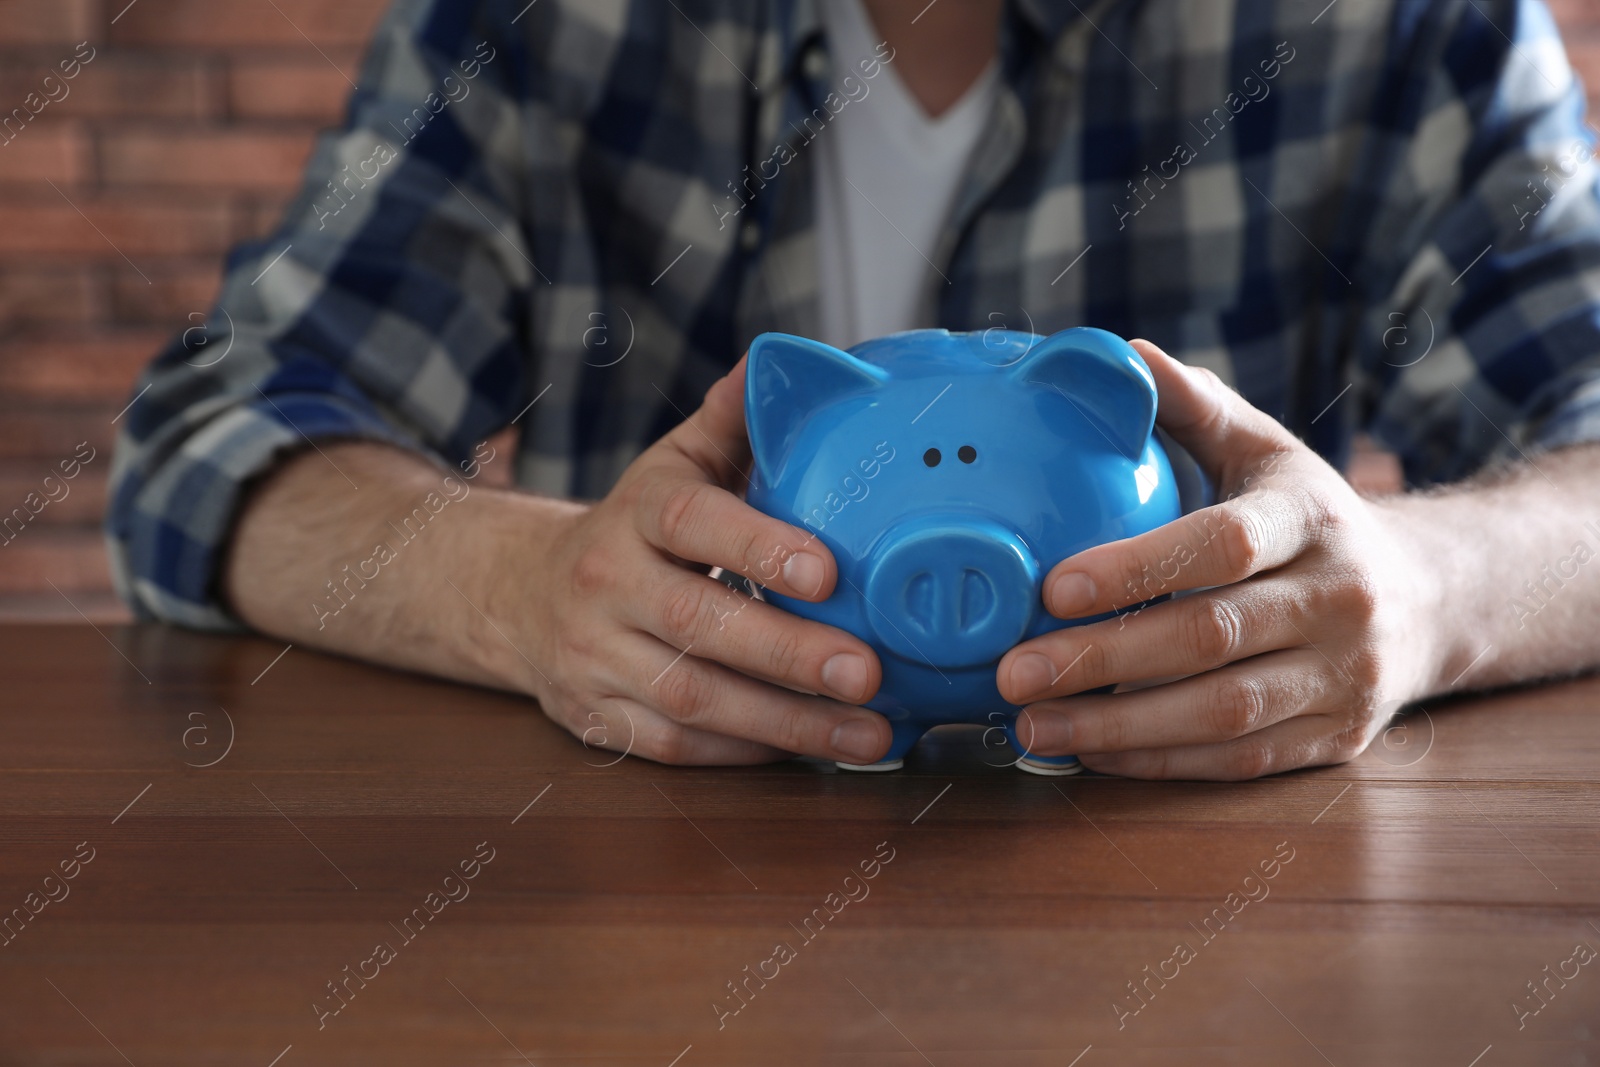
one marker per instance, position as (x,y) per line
(638,650)
(602,612)
(1311,629)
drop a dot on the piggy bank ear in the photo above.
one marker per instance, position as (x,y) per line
(1100,376)
(787,380)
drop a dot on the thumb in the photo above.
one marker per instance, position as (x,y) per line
(1222,430)
(714,438)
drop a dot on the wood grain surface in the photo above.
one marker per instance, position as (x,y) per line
(259,826)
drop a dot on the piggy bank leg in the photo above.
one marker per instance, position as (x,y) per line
(906,735)
(1049,766)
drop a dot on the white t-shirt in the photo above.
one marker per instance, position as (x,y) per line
(887,176)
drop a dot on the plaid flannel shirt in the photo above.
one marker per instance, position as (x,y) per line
(1375,215)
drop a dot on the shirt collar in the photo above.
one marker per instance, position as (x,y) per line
(1049,18)
(800,23)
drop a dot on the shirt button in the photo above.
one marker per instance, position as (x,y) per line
(750,236)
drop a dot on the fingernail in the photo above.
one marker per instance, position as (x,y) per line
(846,674)
(1072,594)
(1045,733)
(803,573)
(857,739)
(1031,674)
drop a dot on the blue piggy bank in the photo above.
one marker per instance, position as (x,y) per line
(947,473)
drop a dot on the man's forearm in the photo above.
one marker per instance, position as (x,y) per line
(1511,566)
(399,571)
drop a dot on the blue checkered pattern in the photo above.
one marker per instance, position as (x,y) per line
(1374,215)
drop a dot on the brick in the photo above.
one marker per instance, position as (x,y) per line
(45,149)
(29,431)
(303,88)
(211,24)
(229,158)
(32,296)
(1585,56)
(47,225)
(123,86)
(84,503)
(1580,28)
(73,558)
(49,22)
(74,370)
(259,218)
(176,292)
(1575,14)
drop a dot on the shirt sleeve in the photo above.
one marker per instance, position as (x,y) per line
(391,305)
(1487,346)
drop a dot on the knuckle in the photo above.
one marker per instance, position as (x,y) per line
(633,489)
(795,731)
(1217,417)
(572,642)
(681,610)
(1243,544)
(1327,519)
(1215,632)
(1136,585)
(591,571)
(785,653)
(1249,758)
(1344,753)
(1363,599)
(562,711)
(682,693)
(1077,671)
(1366,674)
(1208,383)
(670,745)
(1113,730)
(679,517)
(1158,765)
(1238,707)
(572,646)
(1349,742)
(748,554)
(1361,675)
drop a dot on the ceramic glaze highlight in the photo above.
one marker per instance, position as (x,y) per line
(947,473)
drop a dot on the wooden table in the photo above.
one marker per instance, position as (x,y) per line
(1413,894)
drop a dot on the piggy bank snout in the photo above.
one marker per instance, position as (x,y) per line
(954,592)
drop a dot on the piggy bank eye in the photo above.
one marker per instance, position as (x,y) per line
(931,457)
(967,453)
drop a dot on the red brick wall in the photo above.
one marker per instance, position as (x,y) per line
(184,134)
(1580,23)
